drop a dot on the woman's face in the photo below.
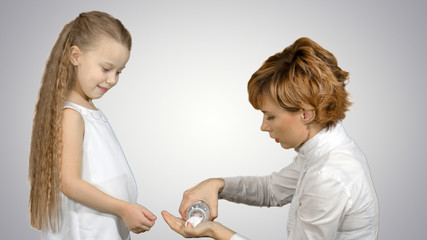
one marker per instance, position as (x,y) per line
(287,128)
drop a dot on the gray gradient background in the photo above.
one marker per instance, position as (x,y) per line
(181,112)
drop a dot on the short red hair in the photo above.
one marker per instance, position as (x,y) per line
(303,76)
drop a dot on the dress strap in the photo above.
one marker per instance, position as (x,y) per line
(72,106)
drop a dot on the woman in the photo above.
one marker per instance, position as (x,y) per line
(301,92)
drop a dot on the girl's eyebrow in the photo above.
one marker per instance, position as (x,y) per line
(112,65)
(108,63)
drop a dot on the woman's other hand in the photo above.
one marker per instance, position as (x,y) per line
(210,229)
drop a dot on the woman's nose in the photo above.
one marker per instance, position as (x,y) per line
(265,127)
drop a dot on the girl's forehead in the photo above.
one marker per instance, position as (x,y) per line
(110,50)
(100,42)
(104,41)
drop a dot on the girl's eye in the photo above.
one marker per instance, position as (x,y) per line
(270,118)
(105,69)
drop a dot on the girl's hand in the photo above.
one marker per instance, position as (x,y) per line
(206,191)
(210,229)
(138,219)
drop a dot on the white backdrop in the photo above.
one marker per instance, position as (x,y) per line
(181,112)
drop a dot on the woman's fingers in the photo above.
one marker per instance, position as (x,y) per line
(176,224)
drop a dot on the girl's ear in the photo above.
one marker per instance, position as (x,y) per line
(308,115)
(75,55)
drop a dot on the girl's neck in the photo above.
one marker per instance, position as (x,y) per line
(77,98)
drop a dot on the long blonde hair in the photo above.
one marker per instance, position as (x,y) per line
(46,141)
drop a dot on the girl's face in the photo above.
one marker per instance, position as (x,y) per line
(98,69)
(290,129)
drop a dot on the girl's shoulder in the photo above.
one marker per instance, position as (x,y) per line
(72,119)
(78,107)
(78,112)
(86,113)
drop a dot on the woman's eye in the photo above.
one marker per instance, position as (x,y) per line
(270,118)
(105,69)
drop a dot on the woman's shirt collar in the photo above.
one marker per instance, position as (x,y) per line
(315,149)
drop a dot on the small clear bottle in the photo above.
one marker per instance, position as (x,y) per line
(198,212)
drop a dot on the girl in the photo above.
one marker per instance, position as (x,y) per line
(301,93)
(81,184)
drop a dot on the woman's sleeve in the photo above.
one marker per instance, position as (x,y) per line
(276,189)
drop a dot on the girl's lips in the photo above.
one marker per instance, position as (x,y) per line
(104,90)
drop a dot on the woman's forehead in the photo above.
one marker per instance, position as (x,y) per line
(268,105)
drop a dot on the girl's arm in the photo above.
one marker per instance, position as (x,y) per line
(137,218)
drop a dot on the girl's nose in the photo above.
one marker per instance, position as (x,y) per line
(112,80)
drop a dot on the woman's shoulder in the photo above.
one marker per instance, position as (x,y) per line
(342,166)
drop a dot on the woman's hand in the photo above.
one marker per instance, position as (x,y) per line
(137,218)
(206,191)
(210,229)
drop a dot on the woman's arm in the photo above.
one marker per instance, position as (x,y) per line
(276,189)
(137,218)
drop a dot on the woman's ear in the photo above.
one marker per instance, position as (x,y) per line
(308,115)
(75,55)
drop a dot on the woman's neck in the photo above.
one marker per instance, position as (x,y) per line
(313,130)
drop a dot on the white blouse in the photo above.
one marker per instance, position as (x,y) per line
(328,185)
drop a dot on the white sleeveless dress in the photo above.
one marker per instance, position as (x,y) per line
(104,165)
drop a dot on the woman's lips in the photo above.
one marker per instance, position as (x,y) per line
(277,140)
